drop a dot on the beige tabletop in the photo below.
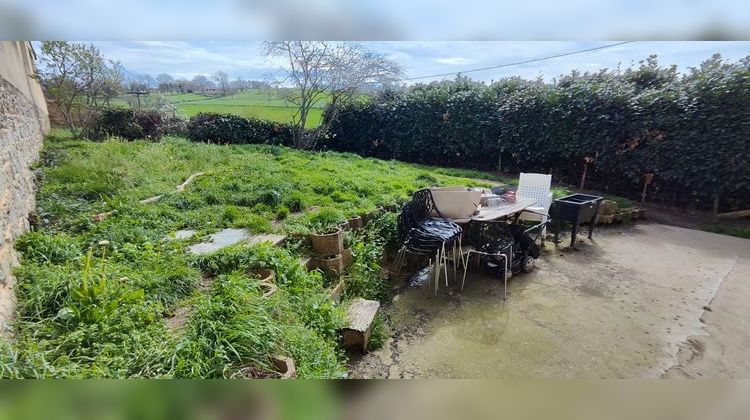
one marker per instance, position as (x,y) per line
(505,210)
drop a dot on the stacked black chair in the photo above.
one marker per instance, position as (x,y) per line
(423,230)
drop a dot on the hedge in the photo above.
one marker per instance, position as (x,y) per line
(233,129)
(130,124)
(691,131)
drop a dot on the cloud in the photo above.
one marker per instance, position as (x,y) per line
(454,61)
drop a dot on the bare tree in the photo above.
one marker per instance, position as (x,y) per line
(239,85)
(353,69)
(201,82)
(319,70)
(164,78)
(222,79)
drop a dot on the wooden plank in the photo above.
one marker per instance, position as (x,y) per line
(191,178)
(734,214)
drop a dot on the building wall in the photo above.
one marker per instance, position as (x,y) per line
(23,124)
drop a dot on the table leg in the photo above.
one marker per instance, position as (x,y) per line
(593,219)
(557,225)
(573,234)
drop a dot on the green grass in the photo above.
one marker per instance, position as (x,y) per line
(93,296)
(258,103)
(740,232)
(622,203)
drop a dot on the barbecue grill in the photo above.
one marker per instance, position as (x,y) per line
(576,209)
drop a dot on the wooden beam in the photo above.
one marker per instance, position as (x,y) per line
(734,214)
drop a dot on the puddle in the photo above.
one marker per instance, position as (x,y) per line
(219,240)
(426,276)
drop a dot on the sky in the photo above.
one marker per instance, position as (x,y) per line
(381,20)
(421,58)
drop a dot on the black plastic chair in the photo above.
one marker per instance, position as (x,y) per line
(499,242)
(423,230)
(493,240)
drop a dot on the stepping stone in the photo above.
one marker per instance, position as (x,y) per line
(218,240)
(181,234)
(274,239)
(360,316)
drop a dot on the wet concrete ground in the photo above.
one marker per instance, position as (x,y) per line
(643,301)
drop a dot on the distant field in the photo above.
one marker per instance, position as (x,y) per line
(265,104)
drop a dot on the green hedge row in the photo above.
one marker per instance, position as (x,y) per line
(130,124)
(692,131)
(233,129)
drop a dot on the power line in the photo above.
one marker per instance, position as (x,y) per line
(521,62)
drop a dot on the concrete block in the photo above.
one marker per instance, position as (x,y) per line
(360,316)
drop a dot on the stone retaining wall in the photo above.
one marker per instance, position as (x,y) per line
(23,125)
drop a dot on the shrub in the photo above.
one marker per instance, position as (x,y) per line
(233,129)
(132,124)
(120,122)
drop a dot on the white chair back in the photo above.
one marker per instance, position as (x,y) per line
(536,186)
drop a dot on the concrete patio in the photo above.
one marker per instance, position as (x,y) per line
(647,300)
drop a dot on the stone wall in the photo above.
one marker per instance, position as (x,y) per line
(23,124)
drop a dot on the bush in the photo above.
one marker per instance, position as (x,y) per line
(132,124)
(120,122)
(689,131)
(233,129)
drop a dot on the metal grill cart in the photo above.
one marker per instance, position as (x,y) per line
(576,209)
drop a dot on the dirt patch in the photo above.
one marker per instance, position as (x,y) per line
(176,323)
(205,283)
(691,219)
(254,372)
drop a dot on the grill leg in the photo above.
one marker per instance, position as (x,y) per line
(573,234)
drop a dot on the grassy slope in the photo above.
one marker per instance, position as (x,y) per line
(265,104)
(92,296)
